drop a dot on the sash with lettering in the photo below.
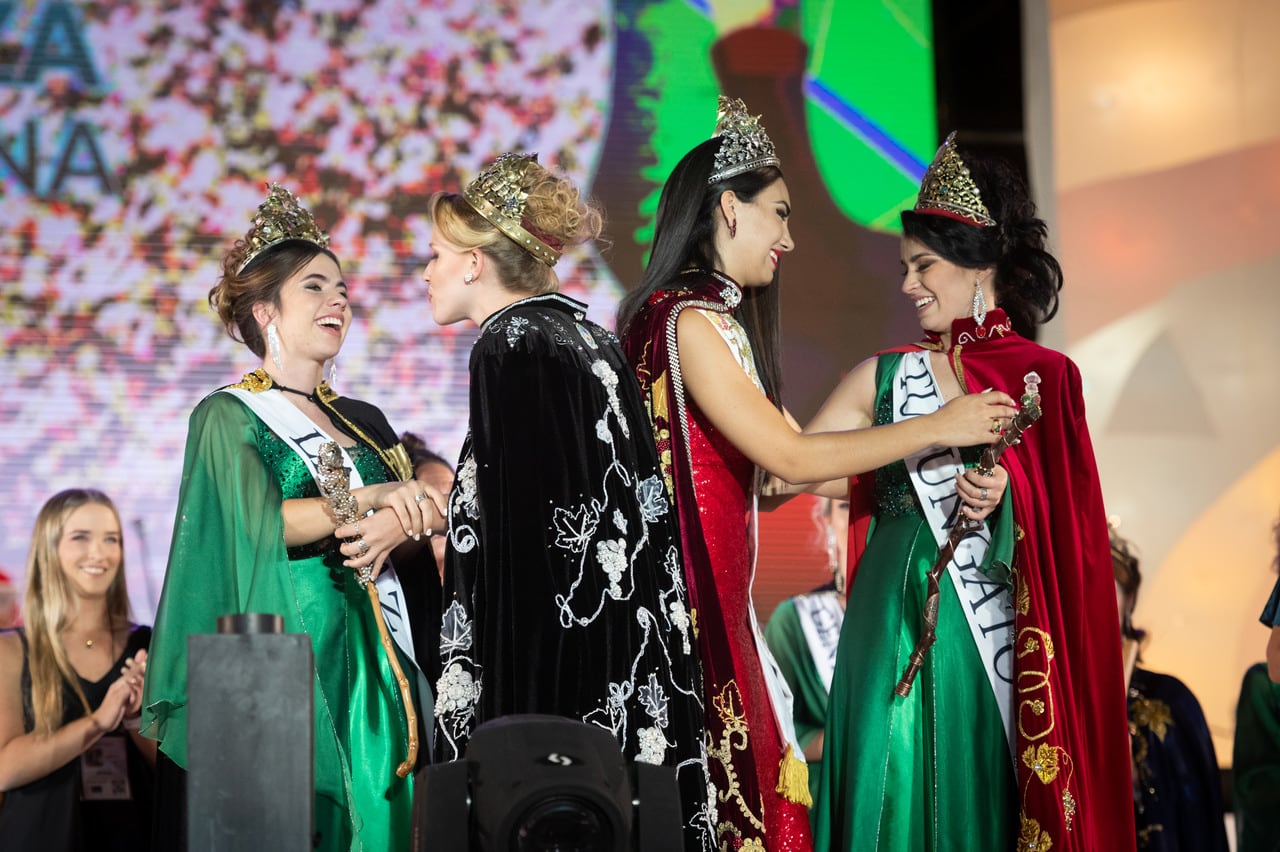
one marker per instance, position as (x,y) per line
(987,605)
(304,437)
(821,616)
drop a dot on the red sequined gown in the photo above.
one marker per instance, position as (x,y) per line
(722,484)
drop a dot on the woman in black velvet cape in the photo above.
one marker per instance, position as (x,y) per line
(564,593)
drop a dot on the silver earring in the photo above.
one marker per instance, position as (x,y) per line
(273,343)
(333,372)
(467,277)
(979,302)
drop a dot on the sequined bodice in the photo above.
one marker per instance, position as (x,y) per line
(894,495)
(296,481)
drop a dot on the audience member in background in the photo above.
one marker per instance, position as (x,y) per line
(803,634)
(76,775)
(1177,787)
(253,534)
(10,612)
(1271,618)
(431,468)
(1255,761)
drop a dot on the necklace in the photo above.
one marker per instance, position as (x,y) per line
(309,397)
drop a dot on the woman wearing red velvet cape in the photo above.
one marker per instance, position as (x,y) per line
(1014,733)
(701,333)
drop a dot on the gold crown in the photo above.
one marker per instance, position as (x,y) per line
(281,218)
(746,147)
(498,194)
(948,190)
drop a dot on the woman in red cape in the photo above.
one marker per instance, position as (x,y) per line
(701,333)
(1014,735)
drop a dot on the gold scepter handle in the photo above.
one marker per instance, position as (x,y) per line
(1028,414)
(335,485)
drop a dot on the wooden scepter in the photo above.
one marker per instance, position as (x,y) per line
(1012,434)
(335,485)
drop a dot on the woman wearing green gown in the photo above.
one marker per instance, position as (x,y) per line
(253,534)
(1013,735)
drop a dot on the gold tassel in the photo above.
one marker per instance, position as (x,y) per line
(793,779)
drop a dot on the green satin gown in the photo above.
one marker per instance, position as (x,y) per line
(932,771)
(228,555)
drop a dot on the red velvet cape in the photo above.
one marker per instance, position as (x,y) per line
(1072,753)
(649,342)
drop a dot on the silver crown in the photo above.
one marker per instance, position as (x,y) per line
(746,147)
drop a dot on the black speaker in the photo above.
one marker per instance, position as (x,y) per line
(545,784)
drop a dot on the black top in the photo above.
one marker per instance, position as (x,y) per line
(48,814)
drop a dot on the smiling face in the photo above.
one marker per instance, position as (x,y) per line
(452,297)
(90,550)
(751,254)
(940,291)
(314,315)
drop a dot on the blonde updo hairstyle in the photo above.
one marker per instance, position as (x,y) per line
(554,208)
(238,290)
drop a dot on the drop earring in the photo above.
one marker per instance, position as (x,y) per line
(979,302)
(273,343)
(333,372)
(733,229)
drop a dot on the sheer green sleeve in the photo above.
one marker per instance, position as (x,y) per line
(227,556)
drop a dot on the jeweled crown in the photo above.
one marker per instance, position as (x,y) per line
(746,147)
(281,217)
(498,194)
(949,190)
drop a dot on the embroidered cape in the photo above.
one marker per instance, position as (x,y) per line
(650,343)
(564,590)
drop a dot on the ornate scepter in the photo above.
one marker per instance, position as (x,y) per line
(335,485)
(1028,414)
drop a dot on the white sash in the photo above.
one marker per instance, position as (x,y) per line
(987,606)
(820,617)
(305,437)
(779,692)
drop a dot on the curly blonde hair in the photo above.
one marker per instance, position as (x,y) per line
(554,207)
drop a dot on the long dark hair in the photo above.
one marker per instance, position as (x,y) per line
(684,238)
(1028,278)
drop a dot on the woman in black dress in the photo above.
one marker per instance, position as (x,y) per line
(75,773)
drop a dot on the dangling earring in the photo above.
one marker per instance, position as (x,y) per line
(333,372)
(979,302)
(273,343)
(733,229)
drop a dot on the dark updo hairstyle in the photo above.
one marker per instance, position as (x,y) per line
(238,290)
(1028,278)
(684,238)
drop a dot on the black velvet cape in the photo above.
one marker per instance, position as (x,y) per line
(564,592)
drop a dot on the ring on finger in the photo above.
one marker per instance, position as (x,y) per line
(356,526)
(363,547)
(420,496)
(983,493)
(995,426)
